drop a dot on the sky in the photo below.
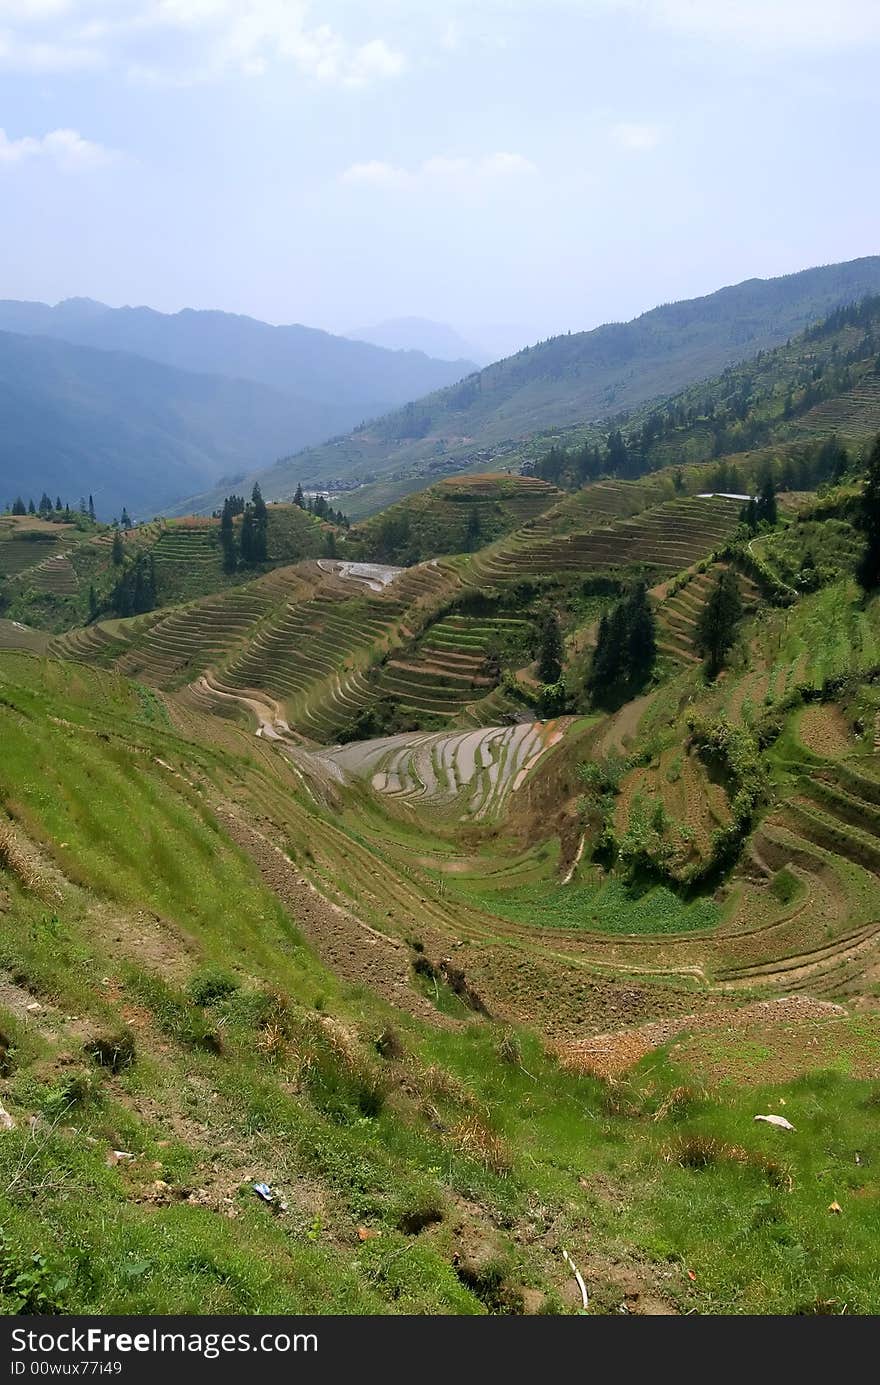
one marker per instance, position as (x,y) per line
(515,168)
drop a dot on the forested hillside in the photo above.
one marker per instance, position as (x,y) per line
(575,380)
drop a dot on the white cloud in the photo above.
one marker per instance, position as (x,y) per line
(65,148)
(188,40)
(373,173)
(438,168)
(638,138)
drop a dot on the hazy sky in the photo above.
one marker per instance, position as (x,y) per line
(544,163)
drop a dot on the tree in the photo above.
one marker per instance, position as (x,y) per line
(749,515)
(94,608)
(716,623)
(868,520)
(118,550)
(248,537)
(261,525)
(58,505)
(126,519)
(766,503)
(32,509)
(550,650)
(18,506)
(135,591)
(91,509)
(641,635)
(472,536)
(299,499)
(227,537)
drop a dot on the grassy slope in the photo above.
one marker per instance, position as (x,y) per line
(517,1158)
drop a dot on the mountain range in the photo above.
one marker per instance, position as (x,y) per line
(566,381)
(142,408)
(171,412)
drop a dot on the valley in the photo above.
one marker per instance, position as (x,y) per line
(474,875)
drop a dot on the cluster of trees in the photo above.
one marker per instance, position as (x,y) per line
(134,592)
(251,545)
(60,510)
(626,649)
(319,506)
(761,508)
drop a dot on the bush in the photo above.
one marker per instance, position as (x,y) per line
(210,984)
(28,1283)
(114,1051)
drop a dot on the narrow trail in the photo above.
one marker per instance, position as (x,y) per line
(357,953)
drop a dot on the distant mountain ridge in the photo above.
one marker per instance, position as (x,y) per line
(573,379)
(302,361)
(130,431)
(142,408)
(436,339)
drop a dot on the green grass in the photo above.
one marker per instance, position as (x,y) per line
(607,906)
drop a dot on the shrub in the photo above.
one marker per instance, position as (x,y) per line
(28,1282)
(114,1051)
(210,984)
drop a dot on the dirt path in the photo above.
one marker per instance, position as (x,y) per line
(268,712)
(352,949)
(610,1055)
(623,725)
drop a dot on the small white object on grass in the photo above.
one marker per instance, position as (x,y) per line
(776,1120)
(579,1278)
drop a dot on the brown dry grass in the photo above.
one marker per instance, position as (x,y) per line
(473,1138)
(15,857)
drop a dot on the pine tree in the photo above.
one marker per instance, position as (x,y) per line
(766,504)
(749,515)
(473,534)
(550,650)
(868,520)
(626,648)
(31,509)
(261,525)
(94,609)
(299,498)
(641,634)
(248,537)
(227,537)
(126,519)
(58,505)
(118,550)
(18,506)
(91,509)
(716,624)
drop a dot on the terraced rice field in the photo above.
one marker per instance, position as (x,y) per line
(824,636)
(186,557)
(19,555)
(450,667)
(55,573)
(14,635)
(855,414)
(666,538)
(677,615)
(470,774)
